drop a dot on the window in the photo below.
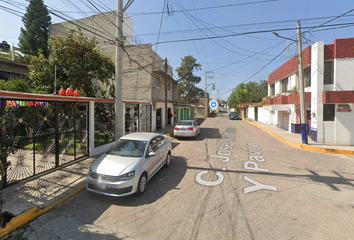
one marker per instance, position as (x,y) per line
(328,72)
(153,146)
(161,141)
(158,81)
(271,92)
(284,85)
(307,77)
(169,86)
(328,112)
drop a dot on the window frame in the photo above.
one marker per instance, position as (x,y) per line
(326,73)
(307,75)
(329,112)
(284,85)
(157,81)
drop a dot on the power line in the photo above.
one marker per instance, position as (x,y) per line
(261,68)
(241,34)
(206,8)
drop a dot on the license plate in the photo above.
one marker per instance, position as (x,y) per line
(101,186)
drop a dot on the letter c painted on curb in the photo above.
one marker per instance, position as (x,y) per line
(199,179)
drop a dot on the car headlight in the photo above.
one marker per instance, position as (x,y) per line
(126,176)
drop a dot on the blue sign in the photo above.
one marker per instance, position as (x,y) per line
(213,104)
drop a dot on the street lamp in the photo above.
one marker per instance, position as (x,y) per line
(301,81)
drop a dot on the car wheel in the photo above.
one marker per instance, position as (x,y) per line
(168,160)
(196,135)
(142,184)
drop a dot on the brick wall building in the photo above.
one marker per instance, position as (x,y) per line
(329,93)
(143,70)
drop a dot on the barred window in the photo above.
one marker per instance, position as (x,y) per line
(158,81)
(328,72)
(284,85)
(307,77)
(328,112)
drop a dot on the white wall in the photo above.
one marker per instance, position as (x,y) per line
(317,65)
(128,27)
(277,88)
(263,114)
(292,81)
(328,132)
(283,120)
(251,113)
(344,127)
(343,74)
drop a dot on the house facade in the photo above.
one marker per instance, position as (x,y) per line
(329,93)
(11,69)
(143,72)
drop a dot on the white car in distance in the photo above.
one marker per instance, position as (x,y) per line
(186,128)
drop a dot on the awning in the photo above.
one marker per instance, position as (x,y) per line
(280,107)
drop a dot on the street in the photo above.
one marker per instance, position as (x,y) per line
(234,182)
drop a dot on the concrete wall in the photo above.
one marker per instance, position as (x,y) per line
(343,74)
(317,65)
(251,113)
(263,114)
(10,69)
(344,127)
(137,81)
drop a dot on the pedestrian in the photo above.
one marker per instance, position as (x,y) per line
(309,125)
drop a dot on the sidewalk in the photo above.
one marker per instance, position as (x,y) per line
(295,140)
(30,199)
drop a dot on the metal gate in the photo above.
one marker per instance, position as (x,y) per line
(146,118)
(46,134)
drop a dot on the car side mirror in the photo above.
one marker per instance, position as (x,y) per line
(151,154)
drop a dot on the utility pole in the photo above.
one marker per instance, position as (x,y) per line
(166,82)
(119,73)
(301,83)
(206,95)
(302,93)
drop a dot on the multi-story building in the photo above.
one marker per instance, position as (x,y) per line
(329,93)
(143,71)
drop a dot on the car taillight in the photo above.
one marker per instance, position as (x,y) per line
(190,128)
(176,128)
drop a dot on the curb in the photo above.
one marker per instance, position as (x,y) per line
(304,146)
(35,212)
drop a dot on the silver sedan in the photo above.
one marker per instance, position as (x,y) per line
(186,128)
(129,164)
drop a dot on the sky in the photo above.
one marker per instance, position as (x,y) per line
(231,39)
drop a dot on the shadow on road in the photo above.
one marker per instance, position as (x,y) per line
(163,181)
(205,133)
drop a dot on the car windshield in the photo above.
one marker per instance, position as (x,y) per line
(185,123)
(128,148)
(233,113)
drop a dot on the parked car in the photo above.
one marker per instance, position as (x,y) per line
(129,164)
(234,115)
(186,128)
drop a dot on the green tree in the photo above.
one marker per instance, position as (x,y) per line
(187,79)
(249,92)
(15,85)
(35,35)
(78,61)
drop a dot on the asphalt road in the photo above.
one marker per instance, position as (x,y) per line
(234,182)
